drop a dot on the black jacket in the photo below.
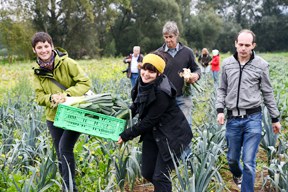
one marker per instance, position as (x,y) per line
(204,60)
(161,116)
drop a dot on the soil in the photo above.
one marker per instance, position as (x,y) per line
(145,186)
(142,186)
(148,187)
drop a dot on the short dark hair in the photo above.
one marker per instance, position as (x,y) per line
(149,67)
(41,37)
(246,31)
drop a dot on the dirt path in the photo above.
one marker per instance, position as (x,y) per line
(261,159)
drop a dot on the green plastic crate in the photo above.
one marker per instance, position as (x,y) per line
(89,122)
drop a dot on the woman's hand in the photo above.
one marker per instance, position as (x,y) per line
(120,141)
(57,98)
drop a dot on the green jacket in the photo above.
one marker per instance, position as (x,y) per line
(67,72)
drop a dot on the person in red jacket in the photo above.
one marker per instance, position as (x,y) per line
(215,66)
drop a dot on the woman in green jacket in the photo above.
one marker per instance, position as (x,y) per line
(55,64)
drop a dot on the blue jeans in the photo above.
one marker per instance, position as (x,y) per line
(185,104)
(133,78)
(244,134)
(215,77)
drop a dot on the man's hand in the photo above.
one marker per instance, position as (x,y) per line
(276,127)
(221,118)
(139,65)
(128,60)
(193,78)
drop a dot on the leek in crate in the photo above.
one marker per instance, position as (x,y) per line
(100,115)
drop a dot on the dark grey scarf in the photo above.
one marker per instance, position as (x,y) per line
(146,94)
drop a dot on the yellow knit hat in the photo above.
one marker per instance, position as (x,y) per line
(156,61)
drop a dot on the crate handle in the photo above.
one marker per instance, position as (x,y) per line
(91,116)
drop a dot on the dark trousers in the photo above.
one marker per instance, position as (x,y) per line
(64,141)
(154,168)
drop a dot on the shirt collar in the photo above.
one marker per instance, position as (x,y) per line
(166,49)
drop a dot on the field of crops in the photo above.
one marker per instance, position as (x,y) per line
(28,161)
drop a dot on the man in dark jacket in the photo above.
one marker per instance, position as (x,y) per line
(179,56)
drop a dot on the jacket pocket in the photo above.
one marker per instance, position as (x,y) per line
(163,146)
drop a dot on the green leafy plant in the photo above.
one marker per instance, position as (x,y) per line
(269,139)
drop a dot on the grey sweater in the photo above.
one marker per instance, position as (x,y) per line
(245,87)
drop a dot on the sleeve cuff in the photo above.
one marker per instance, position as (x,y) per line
(126,135)
(220,110)
(199,74)
(275,120)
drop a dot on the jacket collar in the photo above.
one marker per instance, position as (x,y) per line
(251,57)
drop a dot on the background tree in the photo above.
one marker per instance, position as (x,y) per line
(68,22)
(105,13)
(141,24)
(96,28)
(225,42)
(238,11)
(272,26)
(16,31)
(204,29)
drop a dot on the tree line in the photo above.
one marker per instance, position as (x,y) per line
(97,28)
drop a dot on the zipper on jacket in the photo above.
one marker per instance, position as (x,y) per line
(239,83)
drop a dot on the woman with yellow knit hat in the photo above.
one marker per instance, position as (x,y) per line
(163,128)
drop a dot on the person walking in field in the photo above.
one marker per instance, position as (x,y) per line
(244,86)
(164,130)
(215,67)
(177,57)
(134,61)
(54,65)
(204,60)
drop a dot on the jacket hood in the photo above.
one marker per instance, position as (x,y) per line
(61,54)
(167,87)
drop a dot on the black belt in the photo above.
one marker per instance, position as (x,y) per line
(248,112)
